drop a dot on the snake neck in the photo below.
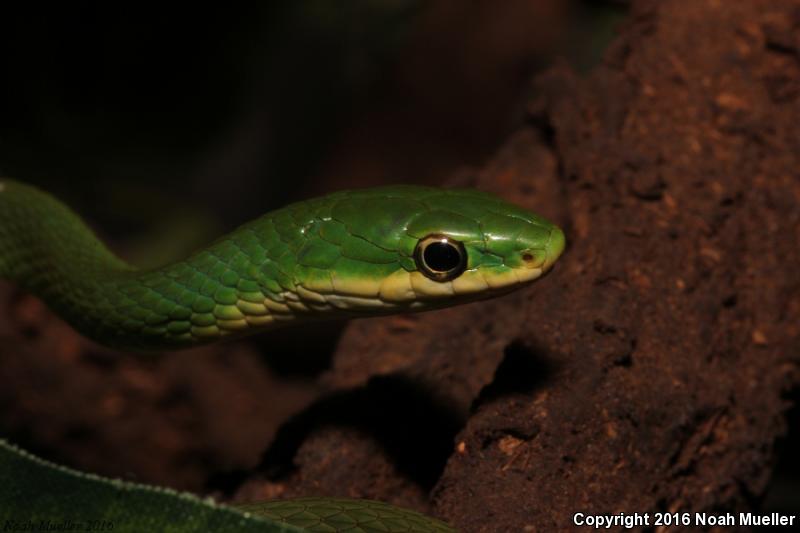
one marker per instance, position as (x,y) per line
(46,249)
(233,287)
(40,239)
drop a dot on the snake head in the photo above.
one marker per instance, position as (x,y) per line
(417,247)
(499,247)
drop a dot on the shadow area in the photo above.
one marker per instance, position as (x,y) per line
(524,369)
(414,424)
(304,351)
(783,494)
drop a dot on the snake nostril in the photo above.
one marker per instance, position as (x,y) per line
(527,257)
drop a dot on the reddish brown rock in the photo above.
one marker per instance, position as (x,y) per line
(648,371)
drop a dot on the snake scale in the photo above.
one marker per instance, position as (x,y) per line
(351,253)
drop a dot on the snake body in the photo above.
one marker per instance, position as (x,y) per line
(348,254)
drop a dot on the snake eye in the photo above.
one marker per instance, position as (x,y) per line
(440,258)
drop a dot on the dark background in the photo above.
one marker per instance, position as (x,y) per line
(167,127)
(184,123)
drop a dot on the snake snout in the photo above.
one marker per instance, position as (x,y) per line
(555,247)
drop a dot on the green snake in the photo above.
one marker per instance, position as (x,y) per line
(351,253)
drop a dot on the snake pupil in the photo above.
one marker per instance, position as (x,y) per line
(440,258)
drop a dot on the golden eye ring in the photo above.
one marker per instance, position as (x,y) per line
(440,258)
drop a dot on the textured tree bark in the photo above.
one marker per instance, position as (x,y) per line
(648,372)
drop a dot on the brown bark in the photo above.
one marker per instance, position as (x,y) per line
(648,371)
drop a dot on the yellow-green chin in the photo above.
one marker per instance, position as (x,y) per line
(415,290)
